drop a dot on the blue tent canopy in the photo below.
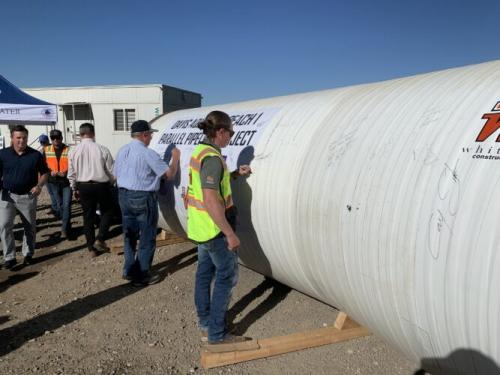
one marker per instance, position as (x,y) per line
(18,107)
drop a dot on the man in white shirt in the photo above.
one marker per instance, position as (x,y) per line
(90,176)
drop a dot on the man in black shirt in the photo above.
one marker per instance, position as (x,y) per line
(23,173)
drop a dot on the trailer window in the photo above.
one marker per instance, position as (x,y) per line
(124,119)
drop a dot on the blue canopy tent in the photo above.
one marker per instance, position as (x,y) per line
(17,107)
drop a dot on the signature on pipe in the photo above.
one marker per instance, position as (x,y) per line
(441,221)
(338,148)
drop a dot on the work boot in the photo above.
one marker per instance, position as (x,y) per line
(148,280)
(101,246)
(28,259)
(230,339)
(9,264)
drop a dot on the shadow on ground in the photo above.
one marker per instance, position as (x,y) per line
(13,279)
(278,294)
(35,327)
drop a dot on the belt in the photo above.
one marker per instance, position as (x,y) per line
(92,182)
(137,191)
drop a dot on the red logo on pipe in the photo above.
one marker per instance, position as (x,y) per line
(492,124)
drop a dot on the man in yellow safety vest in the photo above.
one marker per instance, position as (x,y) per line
(209,204)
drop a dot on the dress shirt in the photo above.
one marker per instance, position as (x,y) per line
(137,167)
(89,161)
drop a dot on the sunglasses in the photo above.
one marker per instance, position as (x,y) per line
(55,137)
(230,131)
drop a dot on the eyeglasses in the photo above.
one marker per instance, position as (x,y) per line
(54,137)
(230,131)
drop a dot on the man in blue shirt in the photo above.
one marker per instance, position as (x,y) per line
(23,173)
(138,171)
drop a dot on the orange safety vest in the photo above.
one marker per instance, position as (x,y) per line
(55,165)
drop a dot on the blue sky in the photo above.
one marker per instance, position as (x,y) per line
(233,50)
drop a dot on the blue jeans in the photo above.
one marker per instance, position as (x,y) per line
(61,203)
(139,222)
(214,260)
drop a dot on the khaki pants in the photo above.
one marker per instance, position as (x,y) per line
(26,205)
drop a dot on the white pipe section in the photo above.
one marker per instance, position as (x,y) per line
(378,199)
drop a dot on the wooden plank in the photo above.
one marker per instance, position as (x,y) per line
(283,344)
(238,346)
(168,239)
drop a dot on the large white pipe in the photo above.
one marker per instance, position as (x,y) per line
(379,199)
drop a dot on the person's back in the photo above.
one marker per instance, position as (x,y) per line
(138,171)
(91,161)
(137,167)
(89,173)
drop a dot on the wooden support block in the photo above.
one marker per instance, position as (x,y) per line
(343,321)
(283,344)
(340,320)
(168,239)
(163,235)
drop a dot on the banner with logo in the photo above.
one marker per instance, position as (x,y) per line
(182,132)
(17,107)
(28,114)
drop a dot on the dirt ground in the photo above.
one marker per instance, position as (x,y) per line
(70,314)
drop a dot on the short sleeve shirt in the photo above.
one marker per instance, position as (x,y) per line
(20,173)
(211,173)
(137,167)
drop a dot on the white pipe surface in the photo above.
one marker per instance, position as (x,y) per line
(378,199)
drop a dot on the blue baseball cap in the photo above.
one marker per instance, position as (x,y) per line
(43,139)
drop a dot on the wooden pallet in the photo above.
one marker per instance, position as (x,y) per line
(344,329)
(163,239)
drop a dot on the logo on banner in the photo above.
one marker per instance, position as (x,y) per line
(46,112)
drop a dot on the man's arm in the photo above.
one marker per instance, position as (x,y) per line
(217,212)
(43,175)
(71,170)
(108,164)
(243,170)
(174,164)
(42,180)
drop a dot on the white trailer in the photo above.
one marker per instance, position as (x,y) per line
(112,109)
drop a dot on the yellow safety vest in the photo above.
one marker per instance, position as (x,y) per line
(201,227)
